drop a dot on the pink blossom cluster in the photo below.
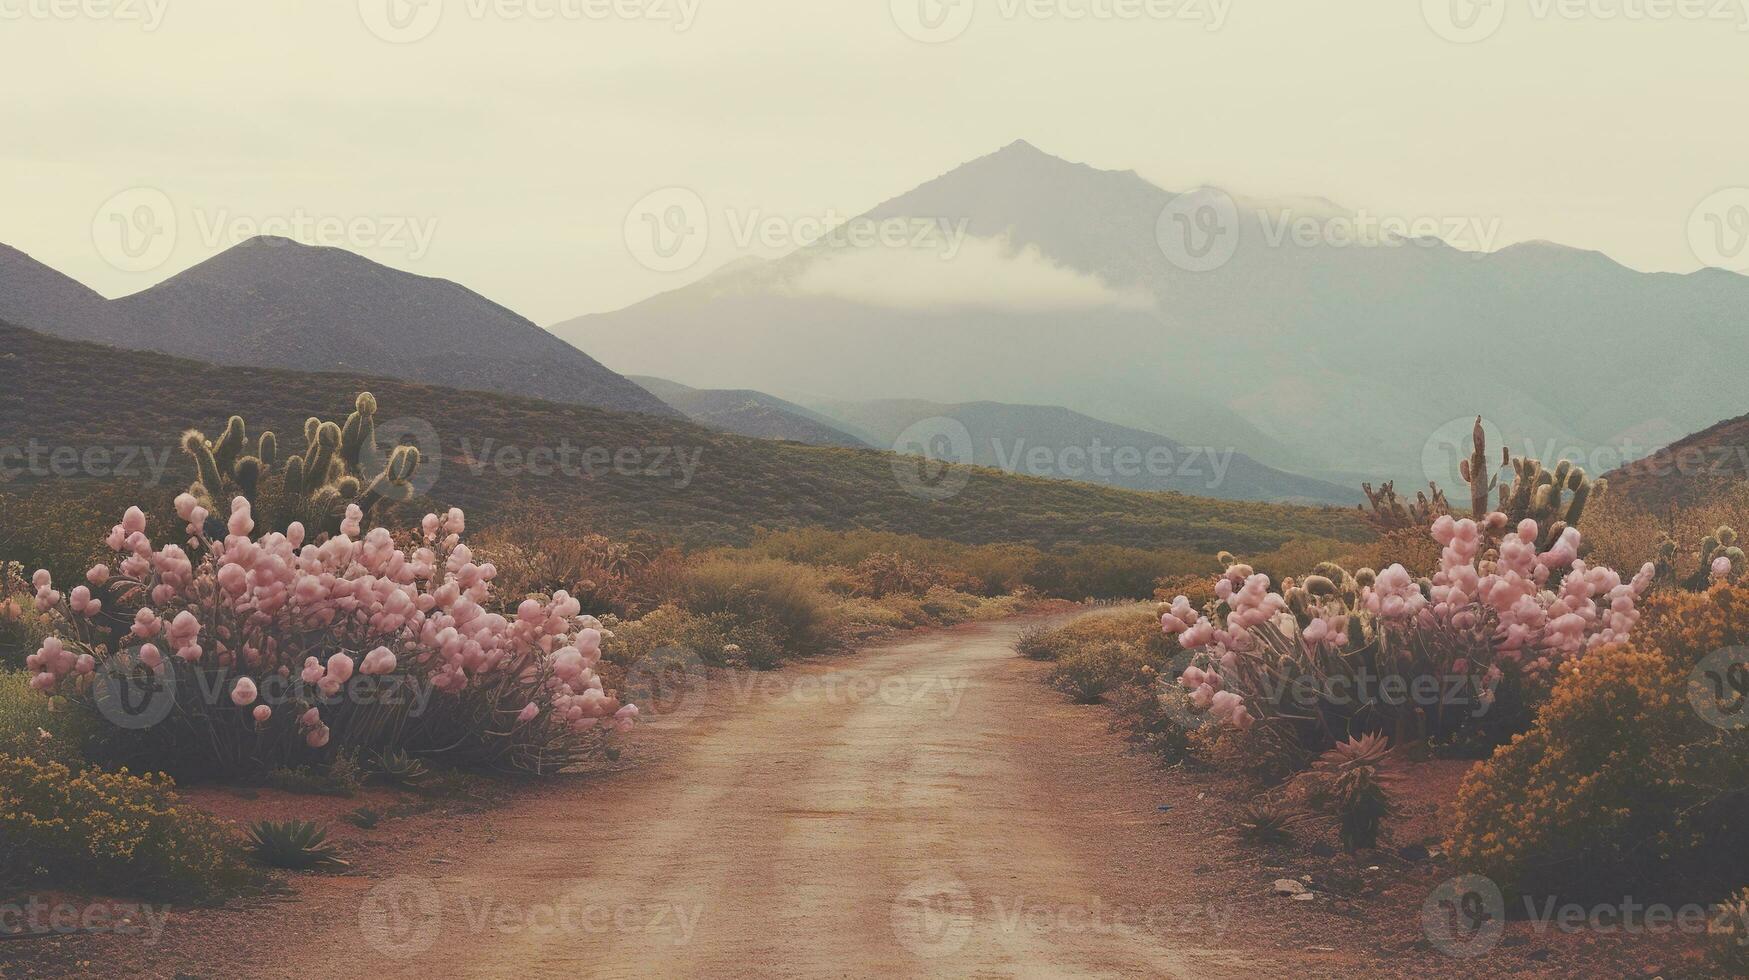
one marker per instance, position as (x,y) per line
(1518,610)
(350,605)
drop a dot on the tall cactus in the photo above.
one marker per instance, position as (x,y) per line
(337,467)
(1722,543)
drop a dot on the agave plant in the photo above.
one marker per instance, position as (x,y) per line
(295,844)
(397,768)
(1265,824)
(1352,781)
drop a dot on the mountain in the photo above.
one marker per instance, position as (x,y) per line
(1056,443)
(272,302)
(1333,359)
(1689,470)
(122,413)
(749,413)
(34,294)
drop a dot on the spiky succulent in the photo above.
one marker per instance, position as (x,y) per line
(298,845)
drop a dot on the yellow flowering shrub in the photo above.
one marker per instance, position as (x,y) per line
(1688,626)
(112,832)
(1617,773)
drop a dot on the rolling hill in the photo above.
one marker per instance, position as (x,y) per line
(626,471)
(1689,469)
(271,302)
(1057,443)
(750,413)
(1342,361)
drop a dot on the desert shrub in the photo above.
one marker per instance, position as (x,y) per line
(296,845)
(1593,788)
(884,574)
(1688,626)
(1110,571)
(1466,653)
(253,655)
(22,627)
(1086,675)
(111,832)
(1151,714)
(1728,934)
(717,639)
(537,556)
(37,727)
(788,600)
(1034,643)
(990,569)
(61,527)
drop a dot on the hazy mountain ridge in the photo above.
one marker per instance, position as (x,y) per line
(667,476)
(1057,443)
(1339,362)
(272,302)
(750,413)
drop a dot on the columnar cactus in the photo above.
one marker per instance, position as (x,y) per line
(1719,558)
(339,466)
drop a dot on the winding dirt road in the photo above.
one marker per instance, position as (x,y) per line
(925,807)
(887,815)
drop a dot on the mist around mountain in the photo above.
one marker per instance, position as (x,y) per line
(750,413)
(1082,287)
(1056,443)
(272,302)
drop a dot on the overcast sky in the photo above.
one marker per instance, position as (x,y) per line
(488,144)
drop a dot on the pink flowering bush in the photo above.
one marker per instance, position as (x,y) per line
(240,654)
(1465,652)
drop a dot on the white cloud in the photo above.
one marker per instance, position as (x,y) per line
(979,273)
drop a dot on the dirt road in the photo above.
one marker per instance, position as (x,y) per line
(925,807)
(883,815)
